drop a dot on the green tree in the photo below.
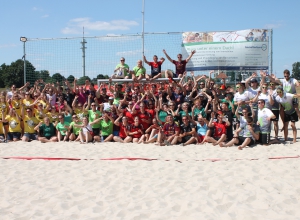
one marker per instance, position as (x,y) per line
(13,73)
(31,74)
(231,74)
(45,75)
(81,80)
(296,70)
(100,76)
(57,77)
(71,79)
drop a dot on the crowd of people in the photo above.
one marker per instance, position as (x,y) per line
(184,111)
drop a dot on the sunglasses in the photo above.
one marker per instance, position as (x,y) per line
(279,92)
(271,84)
(264,87)
(286,76)
(259,102)
(179,57)
(122,60)
(244,112)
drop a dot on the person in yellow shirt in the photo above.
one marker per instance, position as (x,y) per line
(27,101)
(16,103)
(30,122)
(52,114)
(40,112)
(2,136)
(3,106)
(79,109)
(14,122)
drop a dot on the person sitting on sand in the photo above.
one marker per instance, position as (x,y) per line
(62,128)
(14,122)
(29,123)
(136,130)
(124,129)
(47,131)
(250,135)
(219,126)
(201,126)
(74,131)
(169,131)
(187,132)
(86,133)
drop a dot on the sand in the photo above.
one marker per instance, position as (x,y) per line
(181,184)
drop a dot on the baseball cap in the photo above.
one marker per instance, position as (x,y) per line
(253,80)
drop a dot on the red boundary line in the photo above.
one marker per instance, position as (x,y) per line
(139,158)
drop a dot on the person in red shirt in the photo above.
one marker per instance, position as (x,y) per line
(169,131)
(136,130)
(124,129)
(220,126)
(155,67)
(143,115)
(179,65)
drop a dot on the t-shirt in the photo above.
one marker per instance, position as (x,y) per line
(139,71)
(180,67)
(262,118)
(17,105)
(245,96)
(39,114)
(29,124)
(162,115)
(155,68)
(266,98)
(275,106)
(27,103)
(201,129)
(14,124)
(198,111)
(254,93)
(75,129)
(124,70)
(53,100)
(289,85)
(247,133)
(220,128)
(47,131)
(94,115)
(186,128)
(123,128)
(106,127)
(170,129)
(61,127)
(134,128)
(287,102)
(145,116)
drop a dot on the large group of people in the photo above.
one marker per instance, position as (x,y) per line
(183,111)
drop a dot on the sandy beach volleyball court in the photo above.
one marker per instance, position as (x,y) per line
(180,184)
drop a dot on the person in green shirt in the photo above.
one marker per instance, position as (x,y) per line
(106,127)
(47,131)
(139,71)
(94,114)
(62,128)
(73,130)
(121,71)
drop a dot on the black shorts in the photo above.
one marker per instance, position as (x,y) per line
(264,138)
(185,139)
(242,139)
(295,101)
(293,117)
(276,113)
(96,131)
(12,135)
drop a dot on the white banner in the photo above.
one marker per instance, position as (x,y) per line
(238,50)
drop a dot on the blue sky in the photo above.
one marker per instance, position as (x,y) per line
(52,19)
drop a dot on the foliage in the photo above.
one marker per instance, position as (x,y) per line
(296,70)
(57,77)
(81,80)
(71,79)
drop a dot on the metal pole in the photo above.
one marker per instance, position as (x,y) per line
(271,54)
(143,31)
(24,55)
(83,42)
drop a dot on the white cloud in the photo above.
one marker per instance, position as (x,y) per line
(7,45)
(45,16)
(34,8)
(128,53)
(274,25)
(75,25)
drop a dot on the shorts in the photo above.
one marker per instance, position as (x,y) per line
(96,131)
(276,113)
(185,139)
(242,139)
(295,101)
(200,138)
(264,138)
(293,117)
(104,137)
(5,123)
(31,136)
(174,74)
(12,135)
(116,133)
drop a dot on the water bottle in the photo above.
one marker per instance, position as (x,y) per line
(102,140)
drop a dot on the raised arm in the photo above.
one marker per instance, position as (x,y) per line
(164,51)
(247,81)
(146,61)
(190,56)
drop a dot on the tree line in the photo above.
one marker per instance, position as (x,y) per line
(14,74)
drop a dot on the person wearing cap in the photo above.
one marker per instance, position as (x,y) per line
(290,114)
(155,67)
(179,65)
(122,70)
(101,94)
(220,128)
(254,88)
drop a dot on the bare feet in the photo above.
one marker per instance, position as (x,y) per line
(240,148)
(222,144)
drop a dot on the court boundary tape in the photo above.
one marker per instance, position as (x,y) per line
(141,158)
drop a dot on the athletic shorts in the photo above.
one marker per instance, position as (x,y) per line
(185,139)
(276,113)
(96,131)
(116,133)
(242,139)
(12,135)
(31,136)
(200,138)
(293,117)
(264,138)
(295,101)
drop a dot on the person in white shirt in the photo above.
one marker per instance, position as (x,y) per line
(242,98)
(290,115)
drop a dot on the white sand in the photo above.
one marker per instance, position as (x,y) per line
(190,189)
